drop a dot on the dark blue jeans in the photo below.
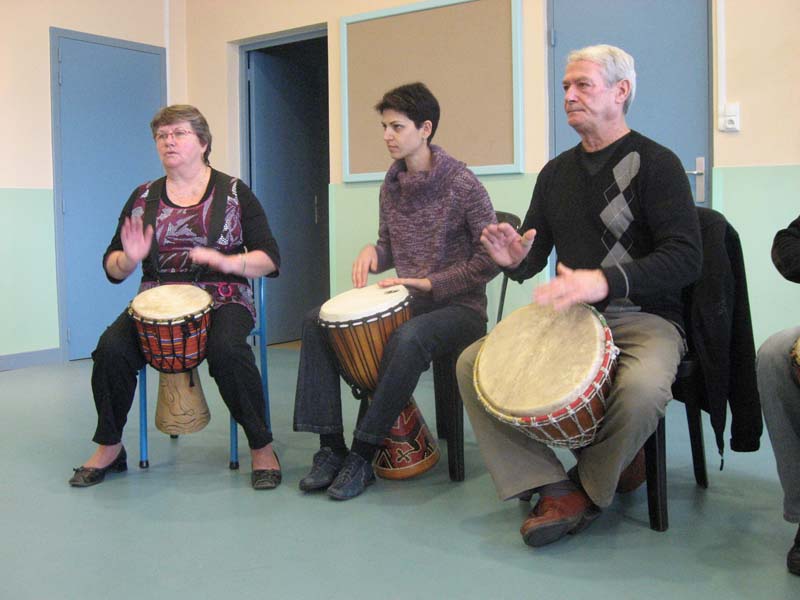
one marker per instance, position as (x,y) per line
(118,359)
(409,352)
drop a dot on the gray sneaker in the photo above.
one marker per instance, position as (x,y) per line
(325,467)
(353,479)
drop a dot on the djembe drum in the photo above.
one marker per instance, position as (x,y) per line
(359,323)
(172,323)
(548,373)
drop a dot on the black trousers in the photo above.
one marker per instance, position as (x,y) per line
(408,354)
(231,362)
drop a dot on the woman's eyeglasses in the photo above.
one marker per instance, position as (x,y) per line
(178,134)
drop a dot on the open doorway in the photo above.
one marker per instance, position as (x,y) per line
(287,123)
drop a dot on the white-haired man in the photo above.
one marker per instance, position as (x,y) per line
(618,210)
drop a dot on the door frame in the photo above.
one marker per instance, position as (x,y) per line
(553,104)
(57,34)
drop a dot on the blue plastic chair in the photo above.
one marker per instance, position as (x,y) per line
(260,332)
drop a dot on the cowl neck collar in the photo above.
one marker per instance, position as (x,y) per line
(423,184)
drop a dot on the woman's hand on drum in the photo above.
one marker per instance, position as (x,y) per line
(506,247)
(423,285)
(244,264)
(136,240)
(571,286)
(366,262)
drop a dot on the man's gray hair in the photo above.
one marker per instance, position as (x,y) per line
(617,65)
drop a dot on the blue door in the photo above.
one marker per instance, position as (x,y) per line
(288,119)
(669,41)
(107,93)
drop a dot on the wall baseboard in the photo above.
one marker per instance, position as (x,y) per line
(9,362)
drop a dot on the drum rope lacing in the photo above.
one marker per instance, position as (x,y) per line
(589,404)
(358,392)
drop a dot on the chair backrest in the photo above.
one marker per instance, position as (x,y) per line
(507,217)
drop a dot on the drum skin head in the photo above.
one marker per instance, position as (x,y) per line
(536,360)
(171,301)
(360,303)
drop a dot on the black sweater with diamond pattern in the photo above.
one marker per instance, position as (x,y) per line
(634,219)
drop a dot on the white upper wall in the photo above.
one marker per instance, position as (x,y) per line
(202,38)
(26,154)
(762,50)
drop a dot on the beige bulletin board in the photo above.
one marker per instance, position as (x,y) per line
(466,52)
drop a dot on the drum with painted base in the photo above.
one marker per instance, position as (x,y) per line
(359,323)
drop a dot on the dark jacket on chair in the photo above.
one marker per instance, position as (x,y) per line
(721,334)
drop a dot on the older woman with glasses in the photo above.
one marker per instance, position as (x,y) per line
(209,230)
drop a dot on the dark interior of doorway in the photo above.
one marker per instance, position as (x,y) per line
(289,166)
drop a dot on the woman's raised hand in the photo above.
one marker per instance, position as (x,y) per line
(136,239)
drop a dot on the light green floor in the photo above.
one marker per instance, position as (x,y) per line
(190,528)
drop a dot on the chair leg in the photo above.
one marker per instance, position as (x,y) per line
(455,438)
(144,463)
(363,405)
(695,422)
(440,396)
(262,348)
(656,461)
(446,387)
(234,462)
(500,304)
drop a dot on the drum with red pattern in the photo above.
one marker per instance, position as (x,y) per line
(548,373)
(172,322)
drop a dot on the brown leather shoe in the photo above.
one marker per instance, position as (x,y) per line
(553,518)
(633,475)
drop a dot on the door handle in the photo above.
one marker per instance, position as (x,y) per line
(316,210)
(700,179)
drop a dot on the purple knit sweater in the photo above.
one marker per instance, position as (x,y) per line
(430,226)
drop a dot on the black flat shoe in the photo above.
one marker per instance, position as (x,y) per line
(89,476)
(266,479)
(793,558)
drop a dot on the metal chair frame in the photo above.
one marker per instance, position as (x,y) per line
(260,332)
(449,408)
(688,389)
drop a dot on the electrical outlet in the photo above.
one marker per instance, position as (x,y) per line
(729,118)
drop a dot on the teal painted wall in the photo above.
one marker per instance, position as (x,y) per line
(758,201)
(29,301)
(354,223)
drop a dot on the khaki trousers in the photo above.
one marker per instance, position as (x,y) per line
(650,350)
